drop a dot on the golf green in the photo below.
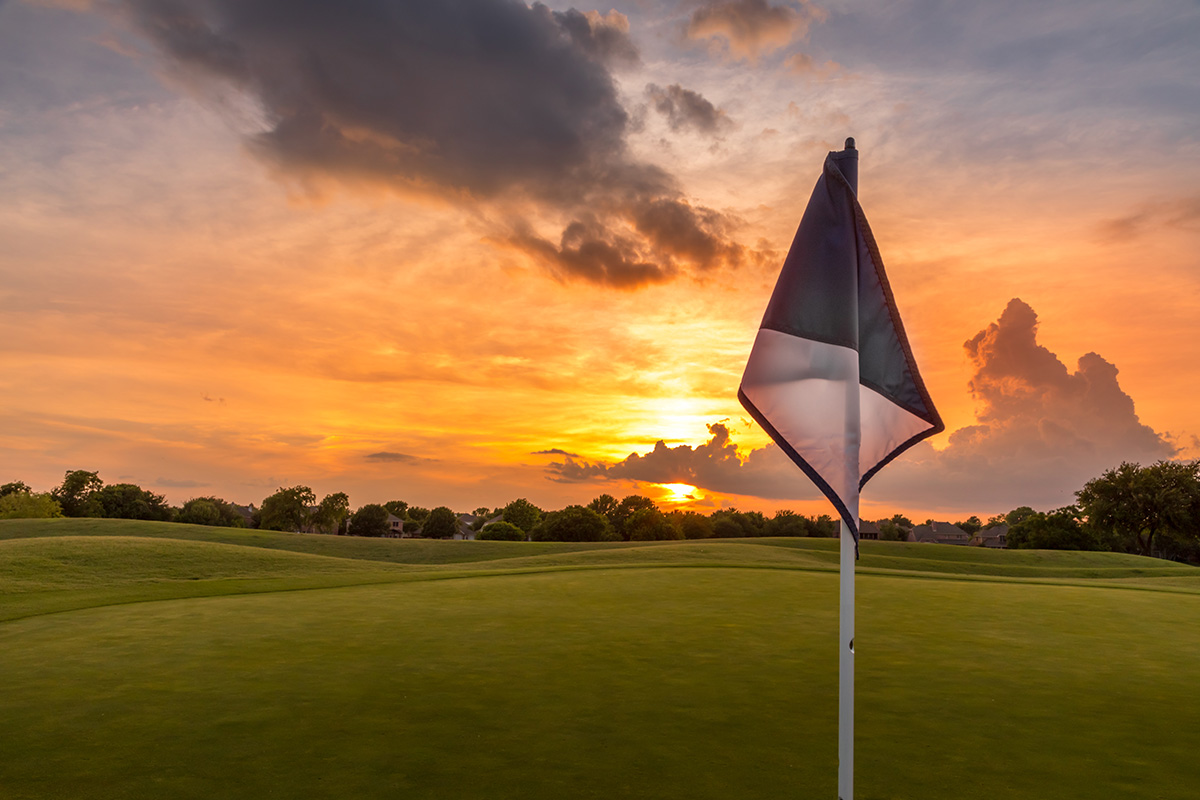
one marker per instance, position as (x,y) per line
(644,682)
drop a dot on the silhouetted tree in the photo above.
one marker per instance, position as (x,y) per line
(1058,530)
(76,494)
(16,487)
(128,501)
(1144,505)
(501,532)
(442,523)
(370,520)
(287,509)
(649,525)
(630,504)
(331,513)
(574,524)
(522,513)
(787,523)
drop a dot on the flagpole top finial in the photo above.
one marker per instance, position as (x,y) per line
(849,143)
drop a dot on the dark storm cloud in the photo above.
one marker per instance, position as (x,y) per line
(1041,431)
(648,240)
(686,109)
(483,101)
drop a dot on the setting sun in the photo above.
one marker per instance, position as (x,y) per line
(680,492)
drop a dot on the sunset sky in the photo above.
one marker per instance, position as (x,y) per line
(464,251)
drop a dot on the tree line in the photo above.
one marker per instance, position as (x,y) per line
(1152,510)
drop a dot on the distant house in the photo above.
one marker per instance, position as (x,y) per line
(395,527)
(465,527)
(867,529)
(246,513)
(995,537)
(939,533)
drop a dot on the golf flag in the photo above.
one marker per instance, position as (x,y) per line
(831,376)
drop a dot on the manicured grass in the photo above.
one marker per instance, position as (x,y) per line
(164,661)
(654,683)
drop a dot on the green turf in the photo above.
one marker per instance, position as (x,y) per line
(679,670)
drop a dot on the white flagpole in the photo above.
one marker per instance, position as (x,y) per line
(846,670)
(846,582)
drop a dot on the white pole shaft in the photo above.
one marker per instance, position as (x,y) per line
(848,554)
(846,670)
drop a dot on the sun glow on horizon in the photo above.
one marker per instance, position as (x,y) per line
(680,493)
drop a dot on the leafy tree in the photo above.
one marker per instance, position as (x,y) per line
(625,508)
(890,531)
(210,511)
(605,505)
(287,509)
(725,524)
(1018,514)
(417,514)
(787,523)
(14,488)
(128,501)
(482,511)
(693,525)
(522,513)
(1058,530)
(993,521)
(76,494)
(501,532)
(754,523)
(199,511)
(27,505)
(971,525)
(902,521)
(574,524)
(332,513)
(826,527)
(397,508)
(1142,506)
(649,525)
(442,523)
(370,520)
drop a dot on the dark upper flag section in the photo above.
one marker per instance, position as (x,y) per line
(831,376)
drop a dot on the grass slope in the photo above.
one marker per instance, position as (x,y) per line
(541,670)
(641,683)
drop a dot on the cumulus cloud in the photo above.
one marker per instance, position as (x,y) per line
(1032,405)
(750,28)
(554,451)
(488,102)
(715,465)
(685,109)
(1041,431)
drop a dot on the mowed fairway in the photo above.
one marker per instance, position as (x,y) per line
(672,671)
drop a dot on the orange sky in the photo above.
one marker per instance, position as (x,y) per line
(190,310)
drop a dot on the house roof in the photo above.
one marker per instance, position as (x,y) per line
(939,532)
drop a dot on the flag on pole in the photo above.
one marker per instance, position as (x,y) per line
(831,376)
